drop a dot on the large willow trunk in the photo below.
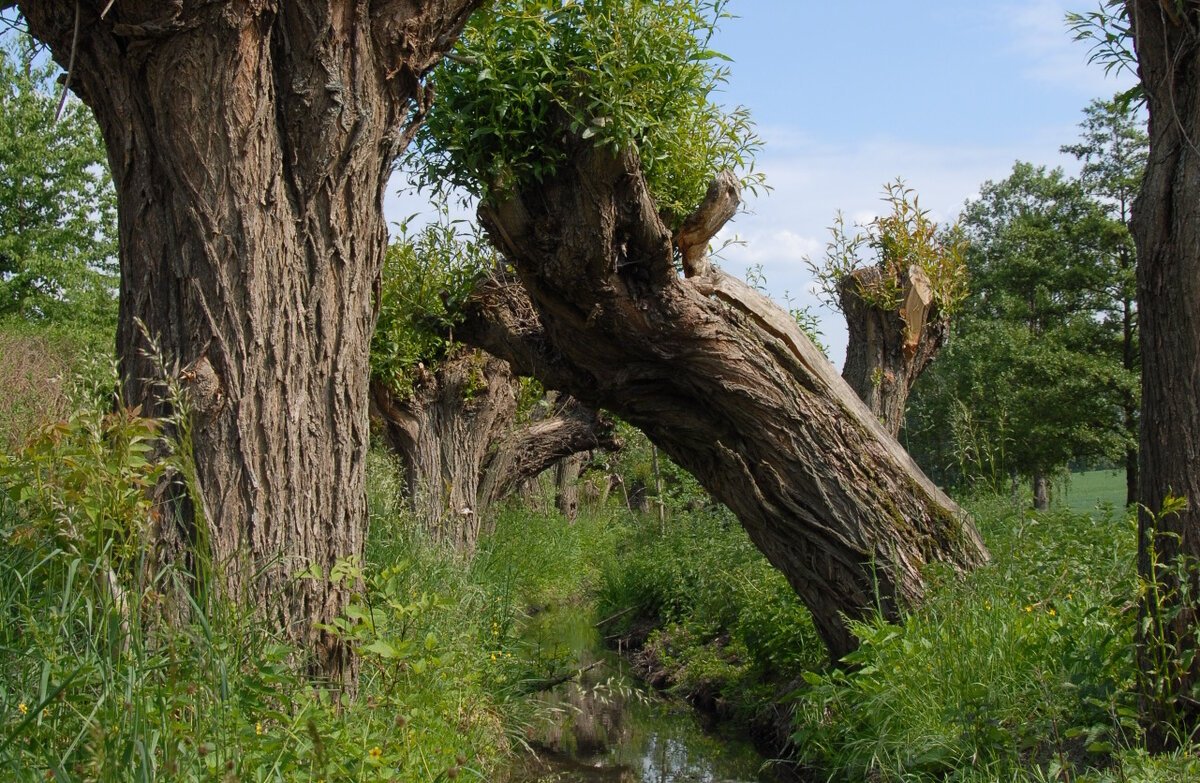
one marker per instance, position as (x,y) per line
(464,450)
(721,380)
(1166,228)
(250,144)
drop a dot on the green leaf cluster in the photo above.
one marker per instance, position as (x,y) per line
(58,245)
(896,242)
(532,79)
(427,276)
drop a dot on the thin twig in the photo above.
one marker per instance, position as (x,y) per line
(621,613)
(62,99)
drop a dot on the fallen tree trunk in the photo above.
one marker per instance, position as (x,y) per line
(721,380)
(462,448)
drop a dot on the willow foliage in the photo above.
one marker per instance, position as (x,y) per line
(531,79)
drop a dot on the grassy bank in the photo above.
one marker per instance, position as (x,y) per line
(1021,671)
(117,669)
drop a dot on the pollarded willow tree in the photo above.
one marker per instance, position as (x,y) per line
(589,134)
(898,281)
(250,144)
(468,431)
(1166,228)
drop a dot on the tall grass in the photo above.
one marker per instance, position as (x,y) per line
(1022,670)
(115,673)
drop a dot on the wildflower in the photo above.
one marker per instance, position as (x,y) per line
(1029,608)
(1052,612)
(258,729)
(375,753)
(493,657)
(23,708)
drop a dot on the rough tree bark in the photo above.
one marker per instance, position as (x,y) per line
(889,349)
(1166,229)
(461,447)
(1041,492)
(721,380)
(250,143)
(566,484)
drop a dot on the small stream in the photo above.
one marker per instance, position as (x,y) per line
(605,726)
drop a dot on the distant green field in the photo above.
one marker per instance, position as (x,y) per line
(1086,491)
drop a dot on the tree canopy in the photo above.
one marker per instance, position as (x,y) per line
(58,225)
(1033,376)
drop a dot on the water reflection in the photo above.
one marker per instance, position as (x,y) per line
(604,728)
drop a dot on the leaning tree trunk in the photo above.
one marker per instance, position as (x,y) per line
(721,380)
(462,448)
(889,348)
(1166,229)
(250,144)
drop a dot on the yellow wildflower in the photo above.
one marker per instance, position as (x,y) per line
(1052,612)
(375,753)
(23,708)
(258,729)
(1029,608)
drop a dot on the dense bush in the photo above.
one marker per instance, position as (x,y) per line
(725,624)
(1023,668)
(426,277)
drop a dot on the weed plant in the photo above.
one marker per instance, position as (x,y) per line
(1021,671)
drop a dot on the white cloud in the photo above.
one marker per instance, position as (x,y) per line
(1044,46)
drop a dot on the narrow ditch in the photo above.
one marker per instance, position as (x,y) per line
(605,725)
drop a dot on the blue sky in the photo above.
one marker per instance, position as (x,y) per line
(848,96)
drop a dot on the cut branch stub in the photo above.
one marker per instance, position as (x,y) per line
(722,381)
(718,208)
